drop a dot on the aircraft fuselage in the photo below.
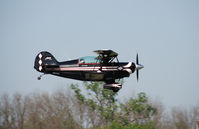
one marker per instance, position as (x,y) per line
(92,72)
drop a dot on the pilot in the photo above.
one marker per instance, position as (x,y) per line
(82,61)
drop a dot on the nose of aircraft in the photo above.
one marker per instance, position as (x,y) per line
(139,66)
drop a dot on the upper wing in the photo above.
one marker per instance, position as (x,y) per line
(106,55)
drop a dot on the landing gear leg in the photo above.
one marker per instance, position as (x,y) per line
(39,78)
(115,87)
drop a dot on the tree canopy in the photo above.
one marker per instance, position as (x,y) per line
(89,107)
(109,111)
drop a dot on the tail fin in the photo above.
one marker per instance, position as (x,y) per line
(44,59)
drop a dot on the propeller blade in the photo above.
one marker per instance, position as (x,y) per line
(137,73)
(138,67)
(137,61)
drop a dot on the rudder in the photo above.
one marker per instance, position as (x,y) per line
(44,59)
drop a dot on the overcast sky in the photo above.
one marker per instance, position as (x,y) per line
(165,33)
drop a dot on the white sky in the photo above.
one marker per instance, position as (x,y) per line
(164,33)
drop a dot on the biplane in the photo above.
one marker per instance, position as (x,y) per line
(104,67)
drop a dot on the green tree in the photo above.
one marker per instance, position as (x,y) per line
(99,100)
(135,113)
(117,125)
(137,110)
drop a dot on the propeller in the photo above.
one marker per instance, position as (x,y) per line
(138,67)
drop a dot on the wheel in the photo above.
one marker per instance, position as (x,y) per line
(115,89)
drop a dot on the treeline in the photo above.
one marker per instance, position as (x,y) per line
(94,108)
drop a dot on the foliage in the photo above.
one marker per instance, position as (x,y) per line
(110,111)
(116,125)
(37,111)
(99,100)
(89,107)
(137,110)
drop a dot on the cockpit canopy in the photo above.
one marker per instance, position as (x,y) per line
(89,60)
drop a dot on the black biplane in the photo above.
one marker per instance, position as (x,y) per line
(105,67)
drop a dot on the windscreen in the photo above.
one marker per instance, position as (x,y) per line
(89,60)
